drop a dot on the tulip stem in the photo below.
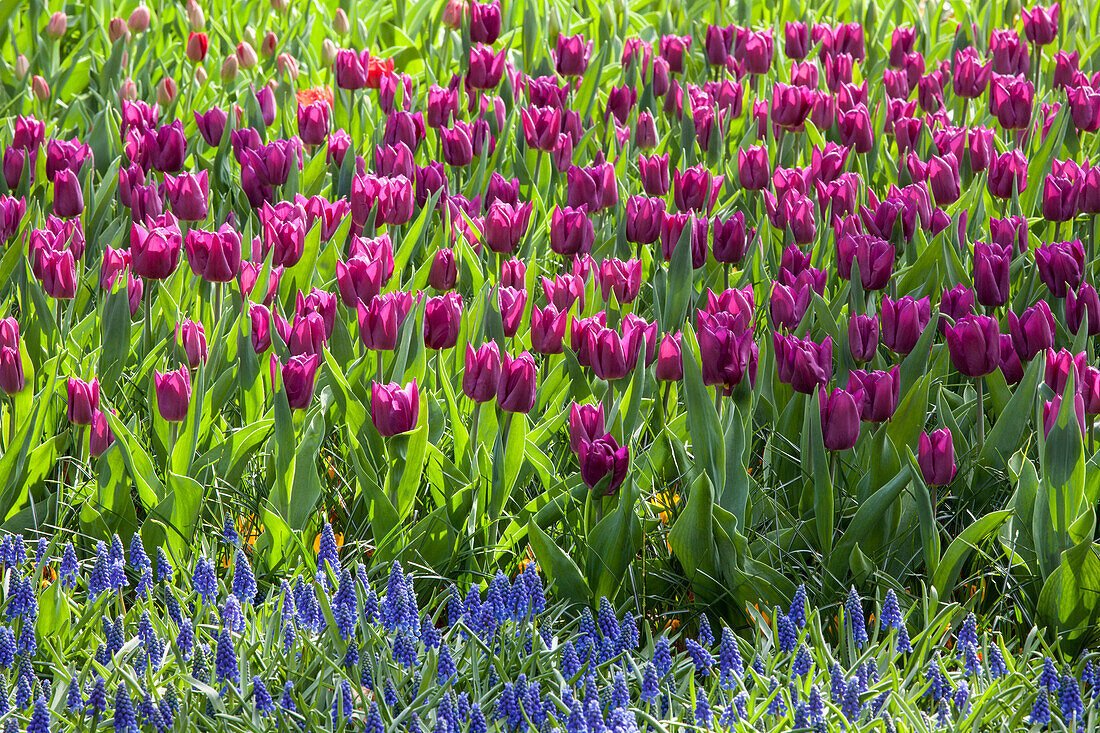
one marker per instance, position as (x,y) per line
(147,328)
(980,386)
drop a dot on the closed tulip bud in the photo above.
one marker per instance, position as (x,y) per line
(875,257)
(40,88)
(505,226)
(329,52)
(1033,331)
(394,409)
(117,30)
(1090,390)
(936,457)
(548,329)
(299,375)
(197,45)
(603,457)
(341,26)
(1060,197)
(511,302)
(516,388)
(654,174)
(974,345)
(863,334)
(269,45)
(903,322)
(1041,24)
(880,393)
(444,270)
(83,400)
(22,67)
(12,379)
(670,365)
(955,303)
(55,27)
(100,436)
(173,391)
(195,15)
(1052,409)
(586,424)
(313,122)
(245,56)
(1061,266)
(229,68)
(442,321)
(68,195)
(484,22)
(839,418)
(788,305)
(287,64)
(726,350)
(193,339)
(1083,304)
(753,168)
(645,131)
(139,19)
(1060,365)
(571,231)
(187,194)
(1007,174)
(571,55)
(644,217)
(280,6)
(991,273)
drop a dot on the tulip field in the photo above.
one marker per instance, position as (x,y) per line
(550,365)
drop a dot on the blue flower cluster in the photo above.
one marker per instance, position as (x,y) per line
(329,649)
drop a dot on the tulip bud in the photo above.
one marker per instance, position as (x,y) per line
(299,375)
(117,29)
(288,65)
(195,15)
(246,56)
(328,52)
(166,91)
(57,24)
(229,68)
(394,409)
(200,75)
(974,345)
(863,333)
(139,19)
(100,436)
(197,45)
(193,339)
(839,418)
(40,88)
(670,364)
(270,43)
(340,23)
(442,321)
(173,390)
(22,66)
(128,91)
(83,400)
(444,270)
(12,378)
(280,6)
(602,457)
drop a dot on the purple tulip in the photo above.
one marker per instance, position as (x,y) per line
(936,457)
(564,290)
(856,129)
(442,321)
(1054,407)
(874,255)
(511,302)
(516,389)
(1041,24)
(68,195)
(484,22)
(571,55)
(1081,304)
(1061,194)
(839,418)
(486,68)
(991,273)
(974,345)
(943,179)
(443,273)
(903,322)
(173,394)
(654,175)
(193,340)
(12,378)
(790,106)
(644,217)
(672,50)
(571,231)
(600,458)
(83,400)
(100,436)
(59,274)
(880,393)
(1090,390)
(788,305)
(796,40)
(719,41)
(548,329)
(211,125)
(378,321)
(863,334)
(1010,232)
(804,364)
(1061,265)
(731,238)
(695,189)
(394,409)
(482,373)
(359,280)
(505,225)
(594,187)
(1007,174)
(971,76)
(313,122)
(1060,365)
(1033,331)
(622,278)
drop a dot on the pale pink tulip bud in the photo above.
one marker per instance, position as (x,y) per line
(229,68)
(270,43)
(166,91)
(195,15)
(340,23)
(328,52)
(40,88)
(200,75)
(22,66)
(57,25)
(288,65)
(139,19)
(246,55)
(128,91)
(117,29)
